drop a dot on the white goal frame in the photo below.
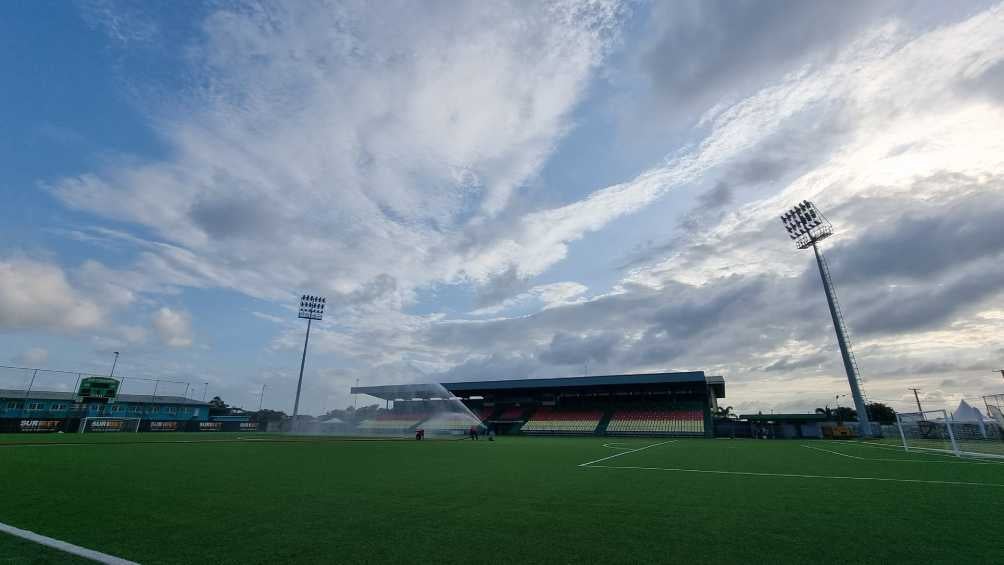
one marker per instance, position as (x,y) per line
(84,422)
(941,418)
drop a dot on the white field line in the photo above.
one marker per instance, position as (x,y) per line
(626,452)
(614,445)
(796,476)
(848,455)
(64,546)
(838,453)
(931,451)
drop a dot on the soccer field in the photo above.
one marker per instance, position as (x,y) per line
(201,498)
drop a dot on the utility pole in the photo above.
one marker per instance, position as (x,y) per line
(114,362)
(919,407)
(261,397)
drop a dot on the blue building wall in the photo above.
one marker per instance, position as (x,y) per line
(43,408)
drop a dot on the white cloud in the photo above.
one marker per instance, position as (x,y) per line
(34,295)
(541,296)
(174,327)
(895,88)
(889,92)
(337,144)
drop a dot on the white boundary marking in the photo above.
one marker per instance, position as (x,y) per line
(941,461)
(796,476)
(615,445)
(976,458)
(626,452)
(64,546)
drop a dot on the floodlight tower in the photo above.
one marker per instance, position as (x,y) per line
(807,226)
(311,308)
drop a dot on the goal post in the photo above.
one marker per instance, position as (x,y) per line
(926,431)
(936,431)
(103,424)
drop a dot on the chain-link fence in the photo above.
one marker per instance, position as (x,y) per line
(21,382)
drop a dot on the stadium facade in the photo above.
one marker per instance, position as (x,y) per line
(52,411)
(674,404)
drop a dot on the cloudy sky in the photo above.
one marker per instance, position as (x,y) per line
(503,190)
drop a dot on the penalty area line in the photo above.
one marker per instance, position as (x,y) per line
(955,461)
(973,458)
(65,546)
(796,476)
(626,452)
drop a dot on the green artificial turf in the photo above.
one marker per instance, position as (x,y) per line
(16,551)
(517,500)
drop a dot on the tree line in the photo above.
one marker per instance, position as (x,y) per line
(877,412)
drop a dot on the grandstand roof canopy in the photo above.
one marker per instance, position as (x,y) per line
(649,381)
(135,398)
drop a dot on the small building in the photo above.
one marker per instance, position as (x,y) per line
(52,411)
(779,426)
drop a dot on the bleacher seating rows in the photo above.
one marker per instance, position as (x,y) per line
(657,421)
(549,420)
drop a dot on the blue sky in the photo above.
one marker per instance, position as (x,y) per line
(502,190)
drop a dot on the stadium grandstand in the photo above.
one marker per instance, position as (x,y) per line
(665,404)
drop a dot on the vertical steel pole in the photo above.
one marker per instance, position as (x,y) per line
(71,409)
(27,394)
(852,375)
(919,407)
(951,435)
(115,362)
(299,382)
(899,424)
(261,397)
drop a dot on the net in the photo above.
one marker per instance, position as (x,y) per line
(934,430)
(107,424)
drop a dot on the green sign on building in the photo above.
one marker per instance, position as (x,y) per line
(105,388)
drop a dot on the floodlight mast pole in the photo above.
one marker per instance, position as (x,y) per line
(311,308)
(807,226)
(845,350)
